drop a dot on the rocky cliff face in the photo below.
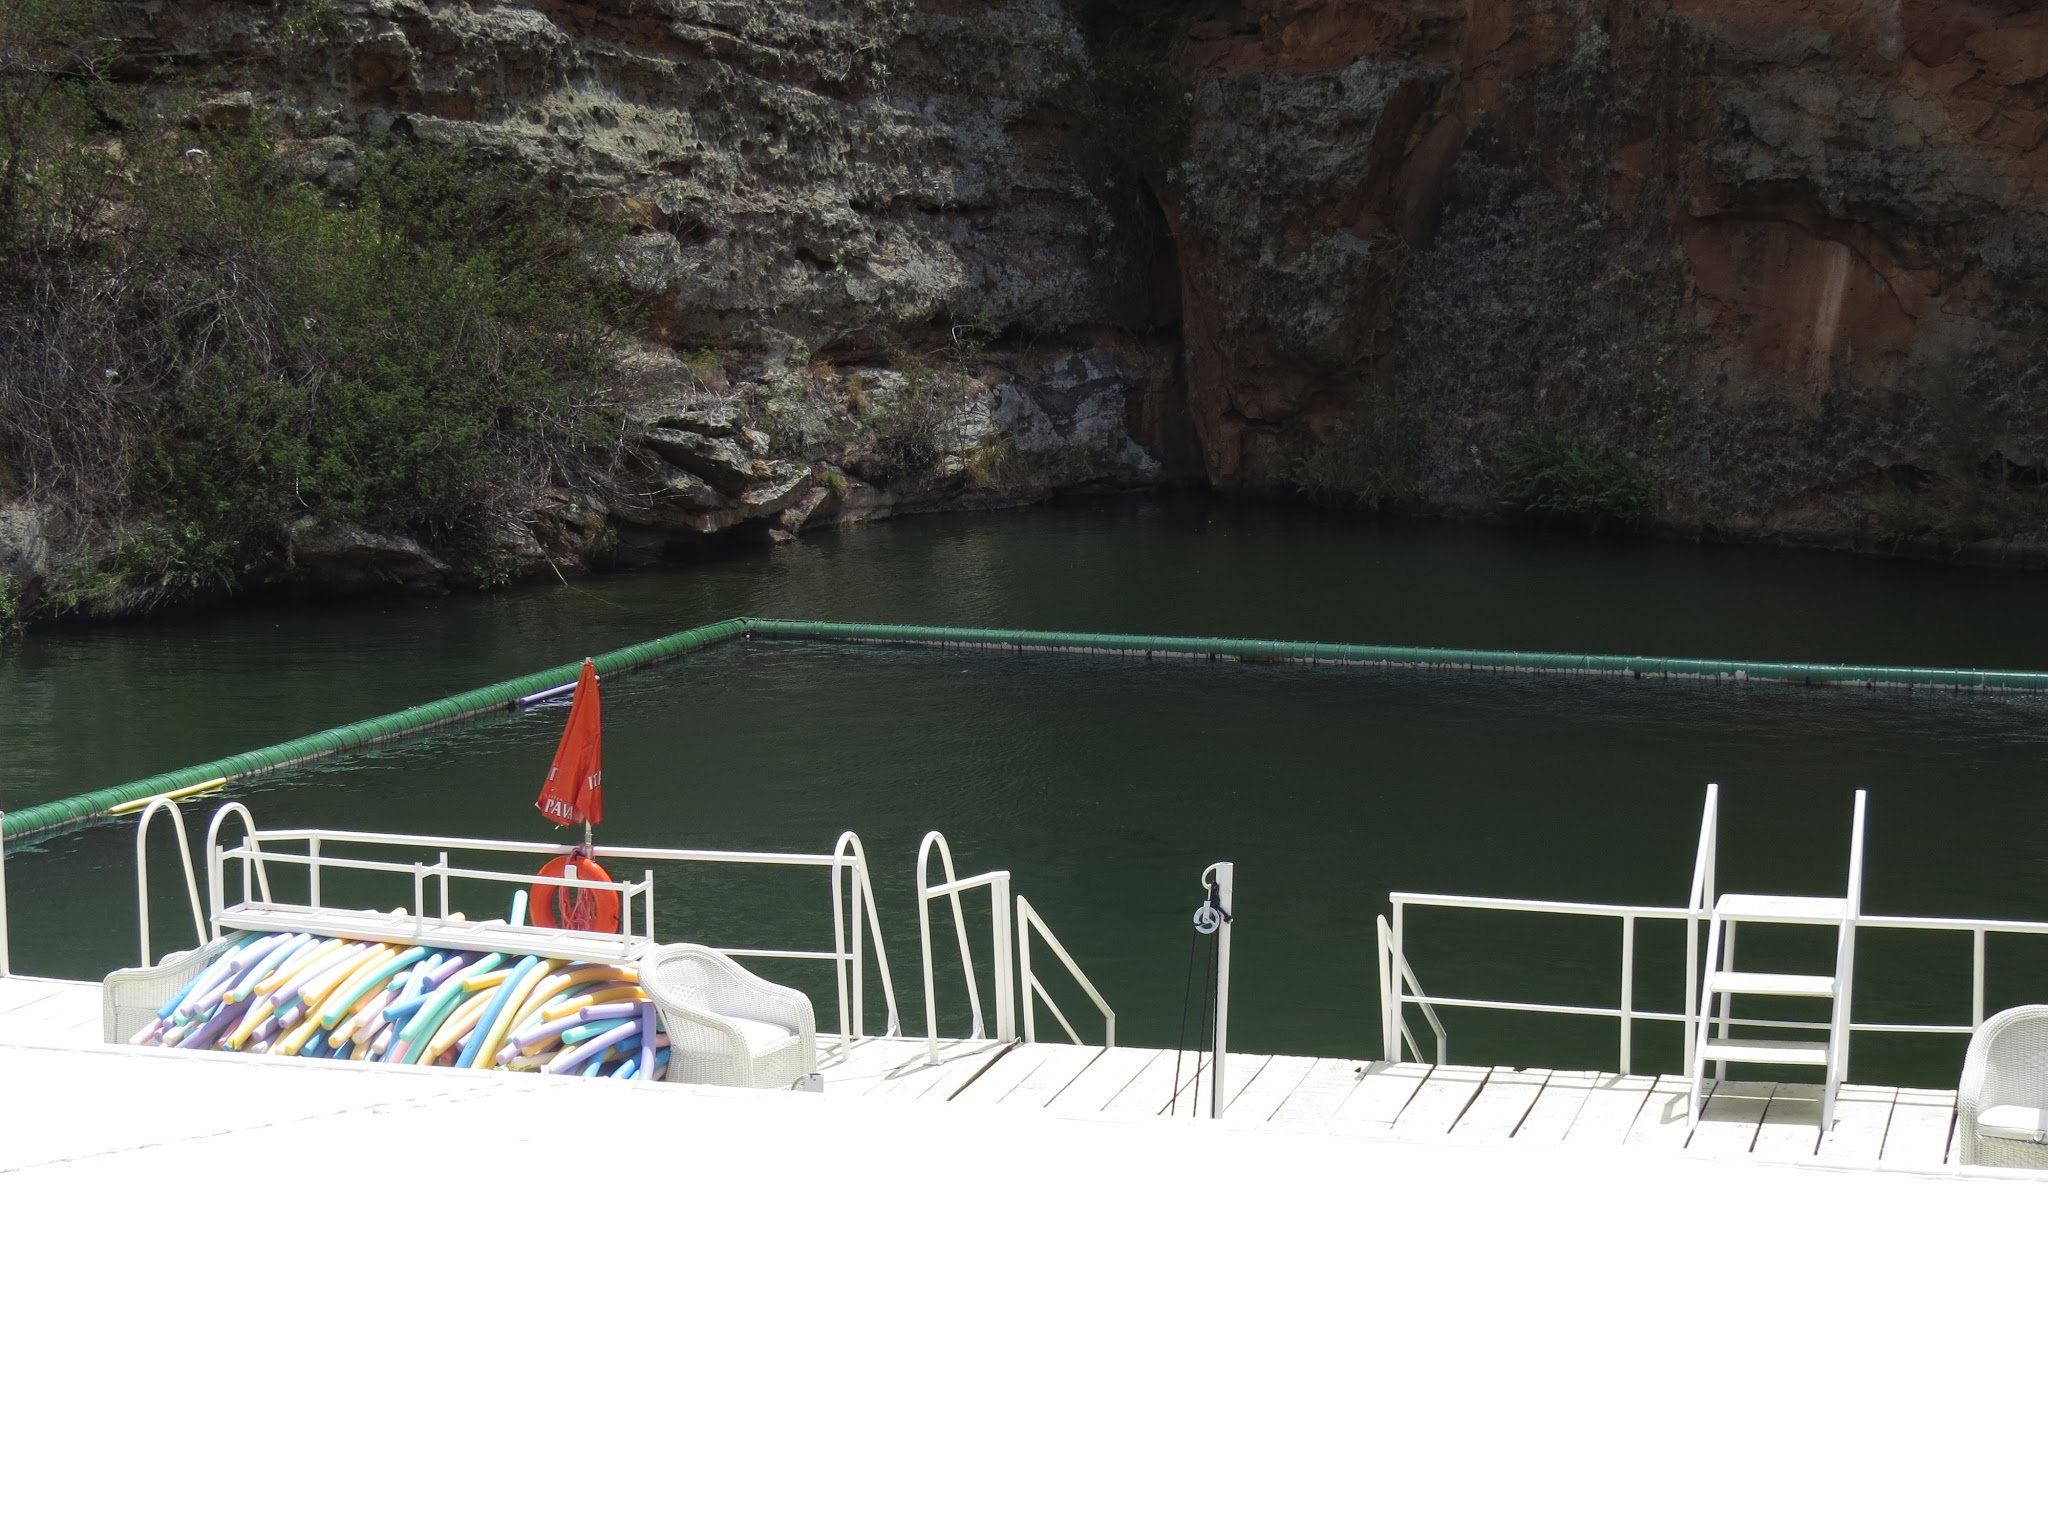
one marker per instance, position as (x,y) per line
(1788,253)
(1789,256)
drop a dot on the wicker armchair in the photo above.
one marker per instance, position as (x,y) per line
(726,1026)
(130,999)
(2002,1102)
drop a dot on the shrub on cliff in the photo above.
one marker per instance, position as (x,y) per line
(1554,475)
(200,347)
(417,357)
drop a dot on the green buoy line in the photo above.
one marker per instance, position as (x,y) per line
(204,777)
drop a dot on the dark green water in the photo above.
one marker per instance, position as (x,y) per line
(1106,784)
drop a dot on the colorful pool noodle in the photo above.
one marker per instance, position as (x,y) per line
(345,998)
(515,985)
(299,964)
(416,1035)
(226,970)
(295,943)
(573,1058)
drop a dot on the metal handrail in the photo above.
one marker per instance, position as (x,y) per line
(1627,1014)
(163,803)
(848,857)
(951,888)
(1028,920)
(1385,937)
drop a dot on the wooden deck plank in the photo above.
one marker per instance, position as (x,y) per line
(1661,1120)
(1862,1114)
(1557,1105)
(1060,1066)
(41,1010)
(1320,1093)
(858,1070)
(1007,1071)
(919,1077)
(1610,1110)
(1729,1119)
(1381,1094)
(1089,1092)
(1194,1094)
(1791,1125)
(1147,1094)
(1919,1131)
(1437,1104)
(1256,1101)
(1502,1104)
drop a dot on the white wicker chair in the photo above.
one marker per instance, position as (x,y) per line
(130,999)
(726,1026)
(2002,1101)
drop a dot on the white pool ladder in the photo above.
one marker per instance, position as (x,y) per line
(1722,983)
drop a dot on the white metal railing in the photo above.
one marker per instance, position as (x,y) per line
(1028,923)
(1012,922)
(854,916)
(1399,987)
(952,888)
(149,812)
(6,963)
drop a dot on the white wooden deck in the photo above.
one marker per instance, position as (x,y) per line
(1899,1127)
(1902,1127)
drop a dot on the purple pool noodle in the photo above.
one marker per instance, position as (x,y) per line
(596,1011)
(343,960)
(206,1033)
(266,1031)
(569,1060)
(650,1025)
(196,985)
(242,962)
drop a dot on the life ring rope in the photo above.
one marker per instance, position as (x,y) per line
(562,906)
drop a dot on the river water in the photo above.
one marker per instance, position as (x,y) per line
(1107,784)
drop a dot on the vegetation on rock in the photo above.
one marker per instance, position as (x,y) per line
(203,349)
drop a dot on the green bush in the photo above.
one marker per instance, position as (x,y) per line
(1554,475)
(200,347)
(1372,459)
(398,358)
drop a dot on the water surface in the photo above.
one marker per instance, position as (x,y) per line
(1106,784)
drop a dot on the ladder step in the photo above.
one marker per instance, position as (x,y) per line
(1777,1053)
(1782,909)
(1768,984)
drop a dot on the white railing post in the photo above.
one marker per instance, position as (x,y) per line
(1027,979)
(858,991)
(1628,992)
(1976,977)
(1002,925)
(1393,1025)
(841,959)
(313,879)
(163,803)
(1224,874)
(5,960)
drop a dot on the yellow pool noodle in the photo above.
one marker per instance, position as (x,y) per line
(375,956)
(622,993)
(287,971)
(346,1030)
(501,1026)
(488,979)
(288,1044)
(258,1012)
(457,1025)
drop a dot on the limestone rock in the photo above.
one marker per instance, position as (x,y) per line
(346,557)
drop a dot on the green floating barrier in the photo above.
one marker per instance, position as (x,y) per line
(56,814)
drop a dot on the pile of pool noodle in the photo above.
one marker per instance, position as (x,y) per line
(295,994)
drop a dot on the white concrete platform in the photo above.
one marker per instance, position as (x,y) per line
(299,1293)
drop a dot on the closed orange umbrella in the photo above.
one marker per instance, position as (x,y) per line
(574,789)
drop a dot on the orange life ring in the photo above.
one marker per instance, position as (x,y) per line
(557,906)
